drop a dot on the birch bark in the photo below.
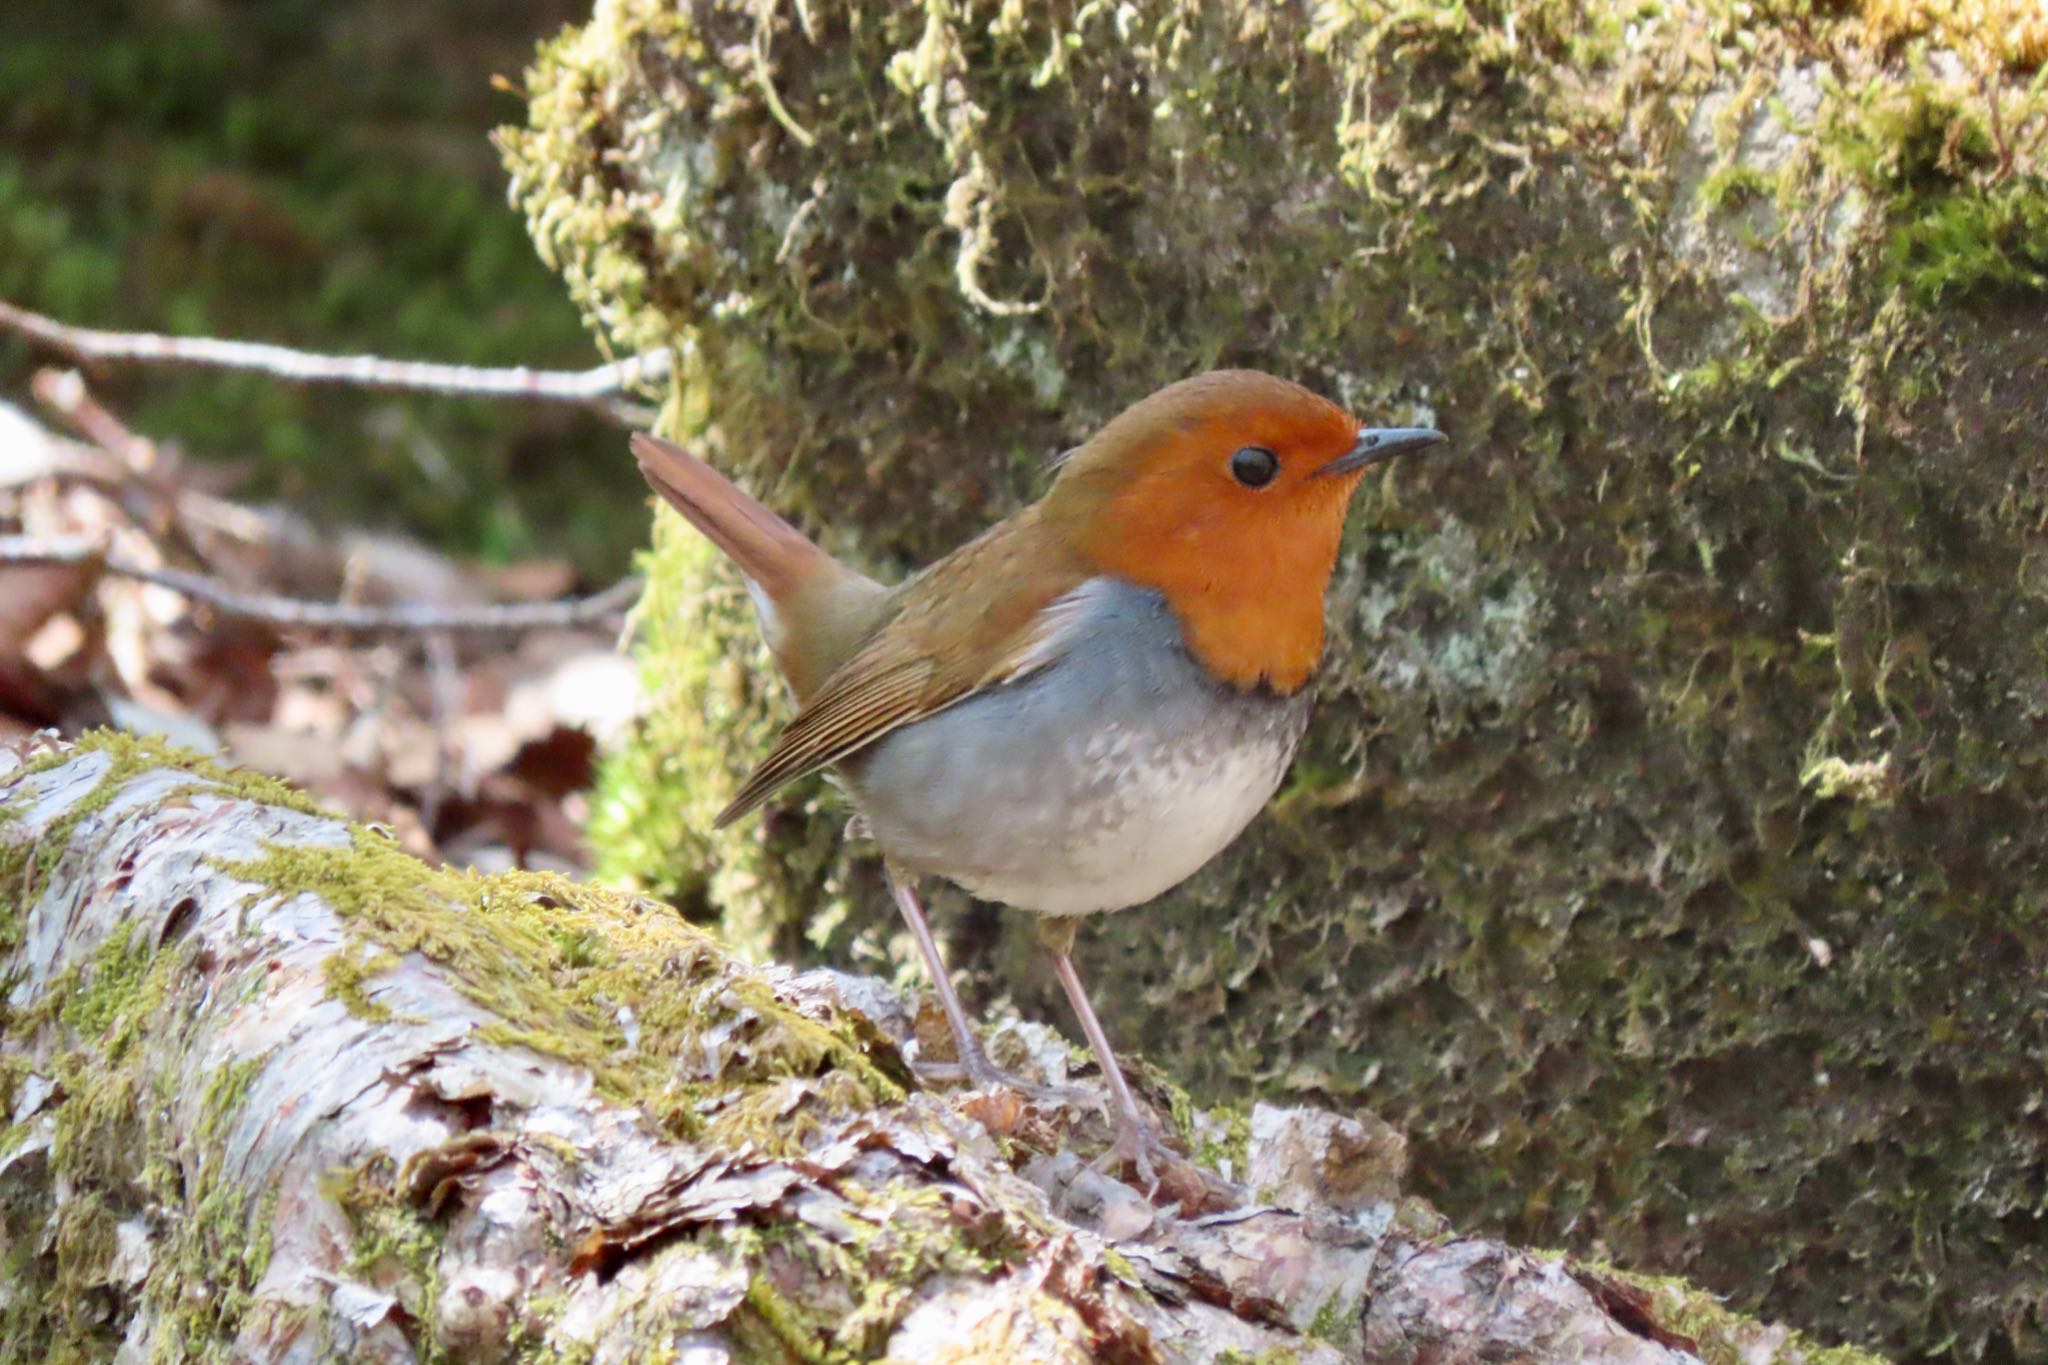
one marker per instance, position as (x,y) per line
(280,1093)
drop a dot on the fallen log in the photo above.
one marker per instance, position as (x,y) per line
(279,1092)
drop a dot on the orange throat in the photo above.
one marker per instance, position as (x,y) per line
(1251,606)
(1246,643)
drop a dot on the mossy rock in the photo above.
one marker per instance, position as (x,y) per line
(1666,854)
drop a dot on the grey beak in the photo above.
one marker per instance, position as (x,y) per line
(1381,443)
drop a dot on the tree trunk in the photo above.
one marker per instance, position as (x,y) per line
(279,1092)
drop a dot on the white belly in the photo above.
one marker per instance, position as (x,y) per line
(1170,813)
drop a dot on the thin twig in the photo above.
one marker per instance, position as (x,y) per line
(1988,83)
(149,475)
(127,465)
(67,461)
(345,617)
(64,392)
(569,386)
(444,683)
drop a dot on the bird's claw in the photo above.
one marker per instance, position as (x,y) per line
(1135,1147)
(1165,1177)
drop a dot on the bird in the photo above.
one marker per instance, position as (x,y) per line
(1074,711)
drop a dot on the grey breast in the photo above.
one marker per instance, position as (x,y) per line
(1092,784)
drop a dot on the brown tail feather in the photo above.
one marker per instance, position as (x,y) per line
(767,549)
(817,611)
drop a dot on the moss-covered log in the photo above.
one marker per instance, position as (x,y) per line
(280,1093)
(1666,858)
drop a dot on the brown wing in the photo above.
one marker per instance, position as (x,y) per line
(975,619)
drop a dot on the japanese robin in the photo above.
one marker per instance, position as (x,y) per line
(1074,711)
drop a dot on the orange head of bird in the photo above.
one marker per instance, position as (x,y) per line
(1227,492)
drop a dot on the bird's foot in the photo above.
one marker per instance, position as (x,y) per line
(1162,1174)
(1141,1149)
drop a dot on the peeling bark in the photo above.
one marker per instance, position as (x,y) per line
(279,1094)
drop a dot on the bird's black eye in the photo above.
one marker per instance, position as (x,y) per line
(1254,466)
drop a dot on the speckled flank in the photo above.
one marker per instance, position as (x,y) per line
(1097,782)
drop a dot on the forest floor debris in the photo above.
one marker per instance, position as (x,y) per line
(458,705)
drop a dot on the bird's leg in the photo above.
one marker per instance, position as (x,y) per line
(980,1071)
(1137,1141)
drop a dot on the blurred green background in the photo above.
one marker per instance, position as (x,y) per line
(321,176)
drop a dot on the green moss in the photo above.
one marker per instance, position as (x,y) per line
(224,1247)
(1334,1320)
(348,970)
(1732,185)
(1960,217)
(1723,1337)
(111,991)
(866,1277)
(1218,1137)
(1121,1267)
(104,1019)
(397,1243)
(225,1094)
(1994,237)
(521,946)
(781,1331)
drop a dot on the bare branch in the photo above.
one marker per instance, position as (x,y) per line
(568,386)
(344,617)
